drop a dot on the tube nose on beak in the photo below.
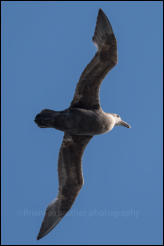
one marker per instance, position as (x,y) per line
(123,123)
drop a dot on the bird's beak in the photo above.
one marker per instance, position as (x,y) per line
(123,123)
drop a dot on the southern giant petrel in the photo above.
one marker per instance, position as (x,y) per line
(80,122)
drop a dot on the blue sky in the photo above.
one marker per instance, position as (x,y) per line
(45,47)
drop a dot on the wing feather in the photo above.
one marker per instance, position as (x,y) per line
(87,90)
(70,181)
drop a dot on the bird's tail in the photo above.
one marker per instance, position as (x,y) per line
(103,30)
(45,118)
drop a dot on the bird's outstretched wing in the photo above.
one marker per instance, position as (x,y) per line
(70,180)
(87,90)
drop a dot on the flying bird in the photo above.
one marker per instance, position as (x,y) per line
(80,122)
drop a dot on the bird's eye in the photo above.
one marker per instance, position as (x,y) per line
(118,116)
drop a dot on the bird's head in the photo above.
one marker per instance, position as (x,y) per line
(119,121)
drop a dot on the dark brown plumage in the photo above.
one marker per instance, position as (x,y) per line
(70,180)
(87,90)
(80,122)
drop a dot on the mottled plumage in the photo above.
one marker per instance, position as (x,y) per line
(70,180)
(80,122)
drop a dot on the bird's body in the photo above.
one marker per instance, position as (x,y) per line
(77,121)
(80,122)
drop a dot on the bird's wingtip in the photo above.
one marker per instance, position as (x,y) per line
(100,10)
(42,234)
(38,237)
(103,30)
